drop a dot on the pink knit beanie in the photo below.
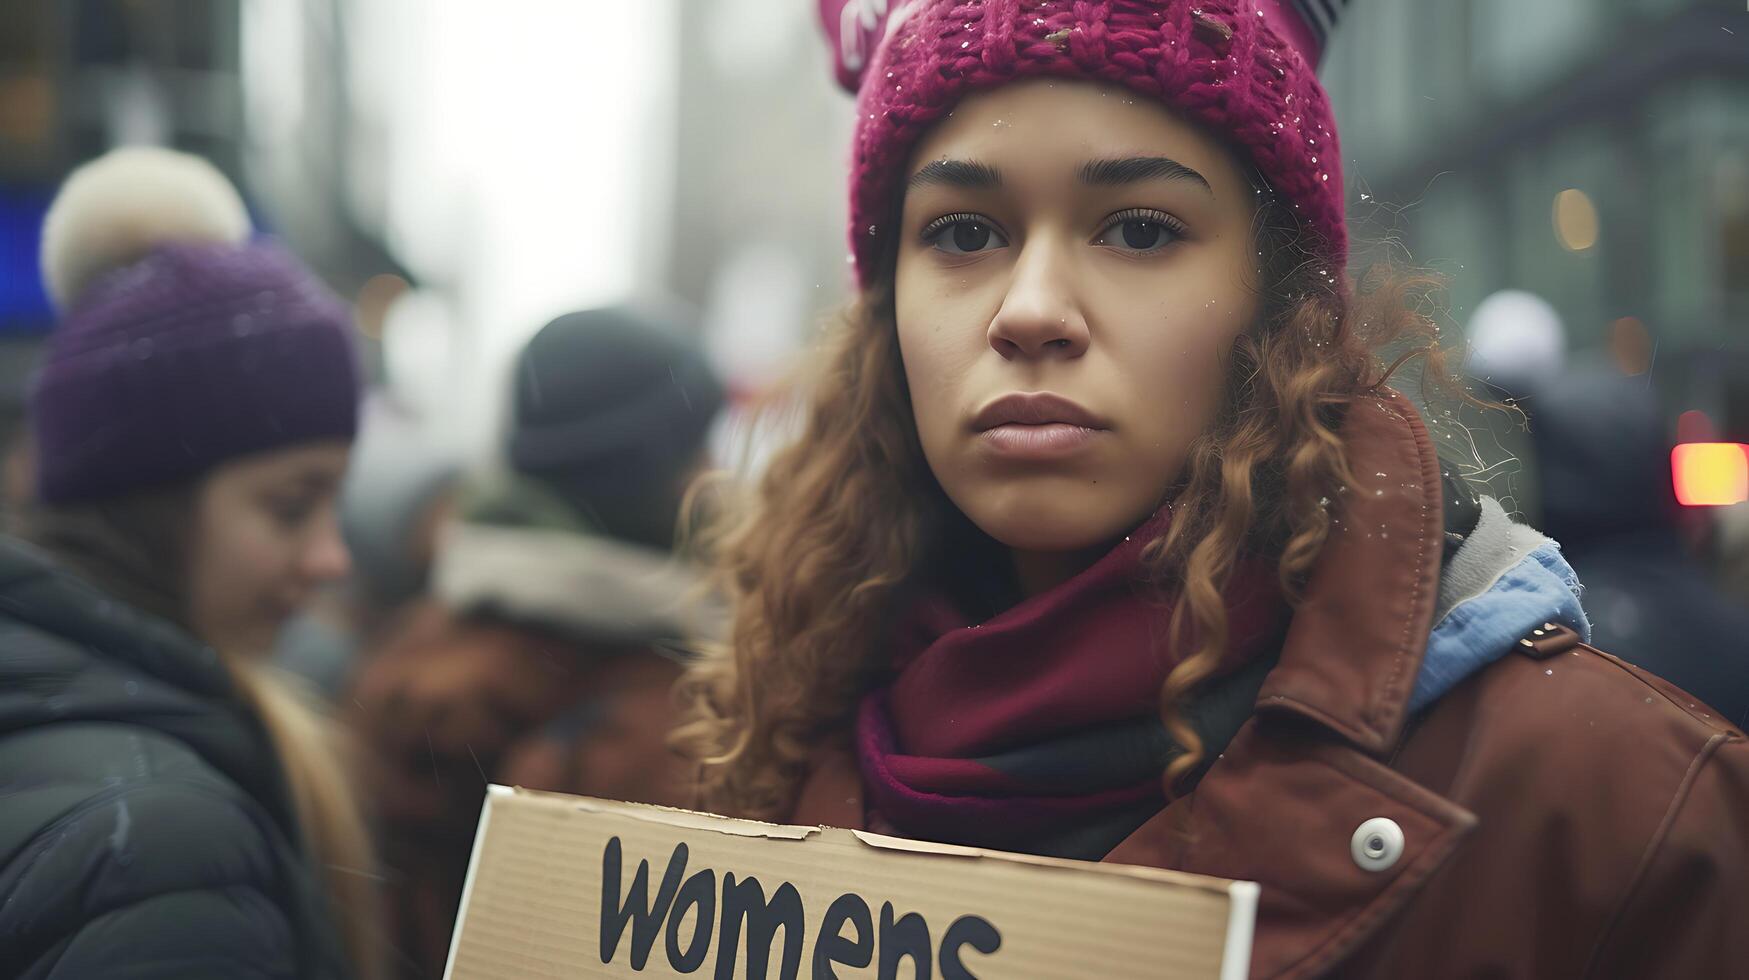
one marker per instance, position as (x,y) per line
(1243,69)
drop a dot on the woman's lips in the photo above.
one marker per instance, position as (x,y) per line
(1051,440)
(1036,425)
(1035,408)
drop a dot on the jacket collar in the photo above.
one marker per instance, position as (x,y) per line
(38,590)
(1282,806)
(1372,592)
(588,586)
(97,659)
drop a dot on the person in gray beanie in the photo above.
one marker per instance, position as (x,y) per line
(610,410)
(548,649)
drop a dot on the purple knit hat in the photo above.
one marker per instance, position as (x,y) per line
(198,353)
(1243,69)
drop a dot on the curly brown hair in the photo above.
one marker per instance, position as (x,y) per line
(817,555)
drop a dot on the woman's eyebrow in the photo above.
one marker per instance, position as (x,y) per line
(312,481)
(1130,170)
(957,173)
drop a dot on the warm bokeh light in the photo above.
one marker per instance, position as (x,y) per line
(374,299)
(1575,220)
(1694,426)
(1631,346)
(27,109)
(1710,474)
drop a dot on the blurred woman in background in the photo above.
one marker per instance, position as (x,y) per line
(172,810)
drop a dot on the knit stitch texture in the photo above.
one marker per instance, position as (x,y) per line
(192,356)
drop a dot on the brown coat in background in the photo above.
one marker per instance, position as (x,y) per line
(544,661)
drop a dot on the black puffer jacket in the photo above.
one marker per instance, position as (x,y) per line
(145,827)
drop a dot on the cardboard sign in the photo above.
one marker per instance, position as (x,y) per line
(564,886)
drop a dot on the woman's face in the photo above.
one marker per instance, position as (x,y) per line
(267,533)
(1074,266)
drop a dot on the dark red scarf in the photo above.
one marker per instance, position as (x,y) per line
(1039,730)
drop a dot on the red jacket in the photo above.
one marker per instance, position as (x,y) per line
(1562,814)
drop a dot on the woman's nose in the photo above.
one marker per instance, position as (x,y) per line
(327,558)
(1039,316)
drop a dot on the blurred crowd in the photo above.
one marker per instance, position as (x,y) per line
(359,628)
(201,447)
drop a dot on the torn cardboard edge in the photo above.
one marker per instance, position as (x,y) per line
(738,827)
(1241,897)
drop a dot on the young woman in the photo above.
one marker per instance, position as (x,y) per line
(1105,537)
(170,810)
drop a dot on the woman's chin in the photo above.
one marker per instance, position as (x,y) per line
(1051,526)
(249,641)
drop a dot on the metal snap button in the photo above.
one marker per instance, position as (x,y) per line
(1377,844)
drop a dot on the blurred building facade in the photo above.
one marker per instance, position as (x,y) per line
(511,168)
(502,164)
(80,76)
(1593,152)
(763,135)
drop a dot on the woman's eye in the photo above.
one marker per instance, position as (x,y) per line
(290,513)
(1140,232)
(963,235)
